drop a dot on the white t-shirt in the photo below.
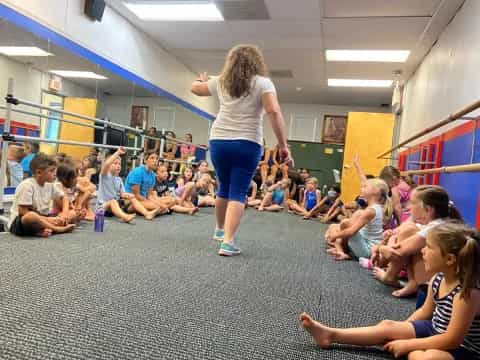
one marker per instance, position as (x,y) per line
(240,118)
(426,229)
(38,198)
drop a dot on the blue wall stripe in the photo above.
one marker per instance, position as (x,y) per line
(42,31)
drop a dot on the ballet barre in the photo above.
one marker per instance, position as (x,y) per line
(10,99)
(459,115)
(49,117)
(22,138)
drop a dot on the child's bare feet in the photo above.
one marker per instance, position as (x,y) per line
(332,251)
(63,229)
(193,210)
(45,233)
(90,215)
(339,256)
(409,289)
(321,334)
(129,217)
(261,208)
(381,275)
(151,214)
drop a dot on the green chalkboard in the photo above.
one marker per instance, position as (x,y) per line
(319,158)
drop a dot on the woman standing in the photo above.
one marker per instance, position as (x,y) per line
(244,93)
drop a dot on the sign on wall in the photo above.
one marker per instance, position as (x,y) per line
(334,129)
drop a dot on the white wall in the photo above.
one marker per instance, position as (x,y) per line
(28,85)
(117,40)
(310,111)
(448,78)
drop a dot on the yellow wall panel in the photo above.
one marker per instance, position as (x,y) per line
(368,134)
(74,132)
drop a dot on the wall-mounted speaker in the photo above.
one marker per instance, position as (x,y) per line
(94,9)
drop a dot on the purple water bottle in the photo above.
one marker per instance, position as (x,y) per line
(99,219)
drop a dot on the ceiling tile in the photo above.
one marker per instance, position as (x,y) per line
(292,10)
(373,33)
(371,8)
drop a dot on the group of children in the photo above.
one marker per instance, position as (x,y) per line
(62,191)
(410,237)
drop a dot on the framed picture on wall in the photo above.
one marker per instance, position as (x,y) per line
(139,117)
(334,129)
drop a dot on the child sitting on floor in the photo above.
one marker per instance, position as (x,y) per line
(276,197)
(364,230)
(162,195)
(111,191)
(447,326)
(326,203)
(33,197)
(311,197)
(66,183)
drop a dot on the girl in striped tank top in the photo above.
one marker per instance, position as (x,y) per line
(447,326)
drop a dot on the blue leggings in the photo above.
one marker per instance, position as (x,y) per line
(235,162)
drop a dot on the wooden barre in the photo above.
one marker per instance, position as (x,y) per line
(445,169)
(449,119)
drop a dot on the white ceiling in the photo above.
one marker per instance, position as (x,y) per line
(10,35)
(297,35)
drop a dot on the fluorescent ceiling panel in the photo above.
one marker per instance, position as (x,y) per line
(78,74)
(197,11)
(368,55)
(359,83)
(23,51)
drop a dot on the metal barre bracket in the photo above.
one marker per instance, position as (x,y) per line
(11,100)
(8,137)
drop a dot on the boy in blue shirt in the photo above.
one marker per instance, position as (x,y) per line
(141,182)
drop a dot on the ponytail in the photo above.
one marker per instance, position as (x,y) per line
(453,212)
(469,264)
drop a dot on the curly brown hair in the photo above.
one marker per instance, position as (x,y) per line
(243,62)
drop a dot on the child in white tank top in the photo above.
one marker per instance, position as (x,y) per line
(364,230)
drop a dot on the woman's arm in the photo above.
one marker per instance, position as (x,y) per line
(200,86)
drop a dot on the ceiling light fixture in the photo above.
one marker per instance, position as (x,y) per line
(192,11)
(359,83)
(78,74)
(368,55)
(23,51)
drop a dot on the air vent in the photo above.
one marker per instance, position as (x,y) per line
(281,74)
(243,9)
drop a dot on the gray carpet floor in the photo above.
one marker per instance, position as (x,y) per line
(158,290)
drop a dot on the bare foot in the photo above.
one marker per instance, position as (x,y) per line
(150,215)
(129,217)
(193,210)
(409,289)
(321,334)
(381,275)
(45,233)
(63,229)
(332,251)
(340,256)
(261,208)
